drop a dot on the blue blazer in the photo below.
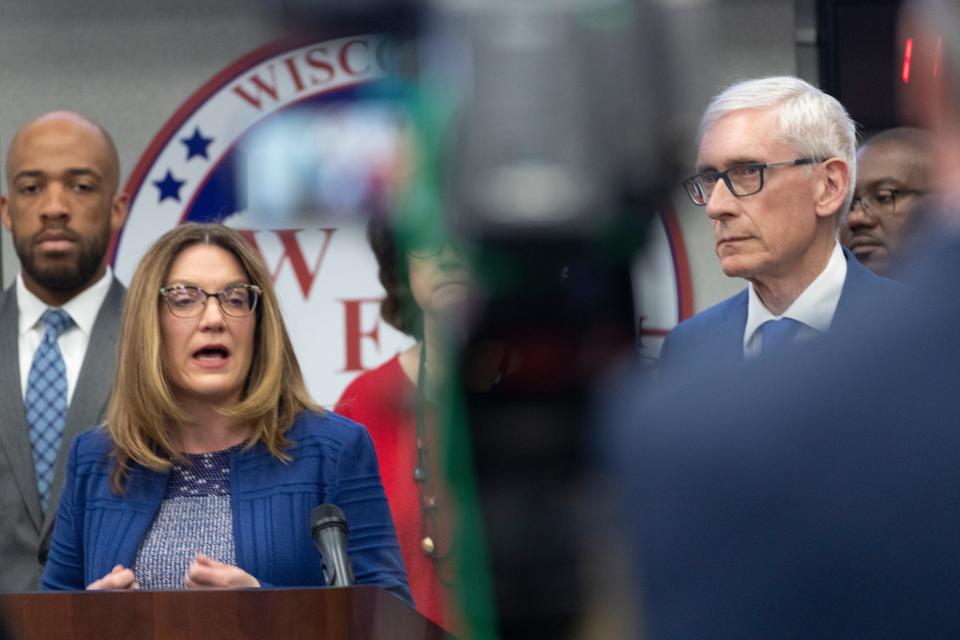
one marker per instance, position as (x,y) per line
(333,461)
(716,334)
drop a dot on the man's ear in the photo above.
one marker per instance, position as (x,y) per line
(118,211)
(5,213)
(832,187)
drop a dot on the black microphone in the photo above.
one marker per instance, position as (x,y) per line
(328,527)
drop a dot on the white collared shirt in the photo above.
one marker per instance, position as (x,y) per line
(83,308)
(815,307)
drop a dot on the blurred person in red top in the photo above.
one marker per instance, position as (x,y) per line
(428,287)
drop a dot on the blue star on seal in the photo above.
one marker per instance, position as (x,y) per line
(169,187)
(197,144)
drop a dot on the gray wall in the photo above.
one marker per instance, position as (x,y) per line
(727,40)
(129,65)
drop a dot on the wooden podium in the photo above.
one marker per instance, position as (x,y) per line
(355,613)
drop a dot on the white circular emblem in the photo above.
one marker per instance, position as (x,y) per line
(324,273)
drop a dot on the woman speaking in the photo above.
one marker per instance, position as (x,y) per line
(213,454)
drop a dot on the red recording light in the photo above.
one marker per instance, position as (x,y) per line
(936,58)
(907,57)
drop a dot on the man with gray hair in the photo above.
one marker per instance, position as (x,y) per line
(776,169)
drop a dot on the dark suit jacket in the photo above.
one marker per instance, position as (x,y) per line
(716,334)
(24,528)
(814,495)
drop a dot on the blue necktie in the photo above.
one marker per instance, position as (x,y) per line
(46,400)
(778,334)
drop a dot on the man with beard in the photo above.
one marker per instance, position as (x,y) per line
(58,322)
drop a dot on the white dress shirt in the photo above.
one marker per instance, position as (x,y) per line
(814,307)
(73,342)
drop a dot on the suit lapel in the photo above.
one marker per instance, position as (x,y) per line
(860,284)
(731,329)
(88,405)
(14,434)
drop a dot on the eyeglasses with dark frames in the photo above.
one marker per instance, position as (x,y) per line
(428,247)
(237,300)
(882,201)
(426,250)
(741,179)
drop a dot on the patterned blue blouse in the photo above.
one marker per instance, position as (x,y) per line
(194,517)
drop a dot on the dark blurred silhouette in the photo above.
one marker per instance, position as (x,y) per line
(552,169)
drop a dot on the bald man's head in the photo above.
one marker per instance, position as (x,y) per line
(66,124)
(63,203)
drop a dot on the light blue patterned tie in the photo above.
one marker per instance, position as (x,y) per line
(46,400)
(778,334)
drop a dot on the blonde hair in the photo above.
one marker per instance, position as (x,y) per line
(143,405)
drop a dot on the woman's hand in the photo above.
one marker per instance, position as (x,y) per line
(207,573)
(118,578)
